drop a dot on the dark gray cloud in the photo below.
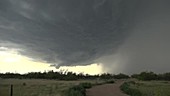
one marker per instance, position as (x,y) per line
(147,49)
(70,31)
(74,32)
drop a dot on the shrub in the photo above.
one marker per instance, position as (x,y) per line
(78,90)
(75,91)
(86,85)
(125,87)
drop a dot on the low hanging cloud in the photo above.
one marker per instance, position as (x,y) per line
(74,32)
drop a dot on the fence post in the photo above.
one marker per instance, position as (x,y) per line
(11,92)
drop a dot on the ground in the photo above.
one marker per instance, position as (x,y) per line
(106,90)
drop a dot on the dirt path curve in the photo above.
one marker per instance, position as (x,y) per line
(106,90)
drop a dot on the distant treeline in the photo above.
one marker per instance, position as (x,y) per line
(147,76)
(63,75)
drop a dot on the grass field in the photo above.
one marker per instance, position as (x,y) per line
(35,87)
(153,88)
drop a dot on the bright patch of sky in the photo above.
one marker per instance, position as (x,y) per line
(11,61)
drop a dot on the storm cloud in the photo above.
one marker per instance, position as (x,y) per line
(147,49)
(74,32)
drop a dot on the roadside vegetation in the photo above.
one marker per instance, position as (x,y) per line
(78,90)
(126,88)
(146,88)
(148,84)
(153,88)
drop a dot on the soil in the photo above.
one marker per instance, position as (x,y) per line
(106,90)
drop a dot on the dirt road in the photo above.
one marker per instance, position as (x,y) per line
(106,90)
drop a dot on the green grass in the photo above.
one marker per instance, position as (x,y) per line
(153,88)
(36,87)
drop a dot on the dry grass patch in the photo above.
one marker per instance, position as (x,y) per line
(36,87)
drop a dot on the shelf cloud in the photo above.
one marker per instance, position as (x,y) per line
(73,32)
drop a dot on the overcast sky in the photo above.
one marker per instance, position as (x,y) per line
(122,35)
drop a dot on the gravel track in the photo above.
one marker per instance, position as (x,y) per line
(106,90)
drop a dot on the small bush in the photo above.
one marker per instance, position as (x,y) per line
(125,87)
(78,90)
(86,85)
(75,91)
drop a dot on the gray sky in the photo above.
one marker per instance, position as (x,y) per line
(124,35)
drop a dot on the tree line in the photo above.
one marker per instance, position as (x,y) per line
(147,76)
(62,75)
(65,75)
